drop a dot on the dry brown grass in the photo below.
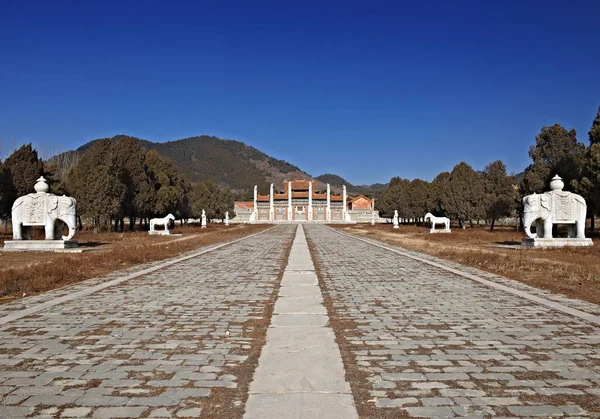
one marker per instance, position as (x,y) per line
(574,272)
(34,272)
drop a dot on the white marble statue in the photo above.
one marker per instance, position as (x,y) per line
(555,207)
(438,220)
(372,218)
(203,224)
(161,222)
(46,210)
(252,218)
(226,218)
(395,219)
(347,218)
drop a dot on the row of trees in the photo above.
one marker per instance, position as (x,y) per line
(465,194)
(112,182)
(462,195)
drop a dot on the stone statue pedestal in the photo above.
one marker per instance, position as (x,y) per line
(555,242)
(40,245)
(159,233)
(439,231)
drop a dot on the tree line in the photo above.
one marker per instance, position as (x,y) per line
(465,195)
(113,182)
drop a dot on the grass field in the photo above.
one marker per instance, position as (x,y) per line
(33,272)
(574,272)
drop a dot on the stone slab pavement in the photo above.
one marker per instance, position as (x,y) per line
(300,374)
(178,341)
(422,340)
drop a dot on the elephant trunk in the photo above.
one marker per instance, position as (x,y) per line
(527,221)
(71,233)
(71,222)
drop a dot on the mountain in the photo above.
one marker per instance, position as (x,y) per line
(227,162)
(336,182)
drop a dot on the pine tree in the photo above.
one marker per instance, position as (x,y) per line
(394,198)
(170,186)
(589,186)
(24,168)
(95,184)
(417,192)
(140,195)
(500,193)
(556,151)
(462,199)
(6,193)
(594,133)
(437,190)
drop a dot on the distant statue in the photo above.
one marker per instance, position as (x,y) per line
(372,218)
(252,218)
(226,218)
(161,222)
(43,209)
(395,219)
(347,218)
(438,220)
(203,224)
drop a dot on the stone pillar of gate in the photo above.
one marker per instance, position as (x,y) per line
(271,211)
(328,209)
(344,198)
(310,208)
(290,201)
(255,199)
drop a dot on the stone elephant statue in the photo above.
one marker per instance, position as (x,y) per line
(555,207)
(43,209)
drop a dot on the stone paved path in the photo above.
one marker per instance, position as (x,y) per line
(416,339)
(420,341)
(171,343)
(300,373)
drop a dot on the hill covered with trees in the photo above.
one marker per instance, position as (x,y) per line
(336,182)
(228,163)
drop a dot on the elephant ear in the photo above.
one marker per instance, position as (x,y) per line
(52,203)
(545,200)
(18,203)
(579,199)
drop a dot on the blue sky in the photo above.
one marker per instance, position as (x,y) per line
(367,90)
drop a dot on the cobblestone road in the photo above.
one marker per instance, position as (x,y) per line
(420,341)
(173,343)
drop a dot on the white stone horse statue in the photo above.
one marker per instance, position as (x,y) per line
(438,220)
(161,221)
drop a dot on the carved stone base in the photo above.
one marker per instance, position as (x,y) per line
(40,245)
(159,233)
(439,231)
(557,242)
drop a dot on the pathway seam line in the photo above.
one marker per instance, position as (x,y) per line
(523,294)
(18,314)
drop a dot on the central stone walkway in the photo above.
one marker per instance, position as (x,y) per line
(300,372)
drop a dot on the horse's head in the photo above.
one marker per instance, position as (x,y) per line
(171,217)
(428,216)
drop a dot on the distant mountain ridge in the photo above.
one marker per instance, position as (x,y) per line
(232,164)
(336,182)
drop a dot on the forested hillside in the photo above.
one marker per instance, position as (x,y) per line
(336,183)
(228,163)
